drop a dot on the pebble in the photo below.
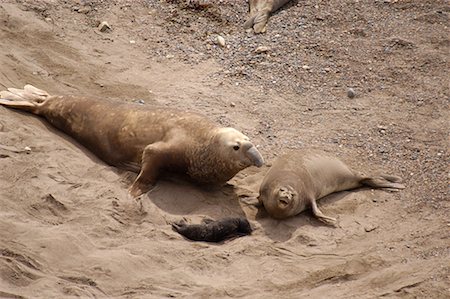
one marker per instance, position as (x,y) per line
(132,41)
(84,9)
(262,49)
(351,93)
(104,26)
(233,104)
(220,41)
(370,227)
(306,67)
(27,149)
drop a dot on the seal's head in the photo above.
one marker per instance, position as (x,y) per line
(237,149)
(283,202)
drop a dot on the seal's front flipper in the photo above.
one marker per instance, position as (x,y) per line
(178,226)
(321,216)
(153,158)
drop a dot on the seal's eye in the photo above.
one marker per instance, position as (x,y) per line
(236,147)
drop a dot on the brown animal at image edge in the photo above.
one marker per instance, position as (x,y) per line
(143,139)
(260,11)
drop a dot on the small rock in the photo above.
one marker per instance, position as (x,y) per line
(305,67)
(262,49)
(233,104)
(84,9)
(104,26)
(351,93)
(48,20)
(27,149)
(132,41)
(170,56)
(220,41)
(370,227)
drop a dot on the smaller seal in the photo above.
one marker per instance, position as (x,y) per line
(298,179)
(260,11)
(214,231)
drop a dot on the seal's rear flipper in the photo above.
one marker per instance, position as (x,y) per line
(29,98)
(17,104)
(388,182)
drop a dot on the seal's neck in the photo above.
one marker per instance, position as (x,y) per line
(208,165)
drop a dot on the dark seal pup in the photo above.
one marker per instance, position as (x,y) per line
(260,11)
(214,231)
(298,179)
(143,139)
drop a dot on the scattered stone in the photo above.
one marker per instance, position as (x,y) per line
(351,93)
(262,49)
(132,41)
(370,227)
(233,104)
(104,26)
(306,67)
(84,9)
(27,149)
(48,20)
(220,41)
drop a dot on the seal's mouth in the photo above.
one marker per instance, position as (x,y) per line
(255,157)
(283,202)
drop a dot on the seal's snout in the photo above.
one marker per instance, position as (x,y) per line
(285,198)
(281,202)
(255,156)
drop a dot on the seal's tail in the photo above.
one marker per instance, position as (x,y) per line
(388,182)
(29,98)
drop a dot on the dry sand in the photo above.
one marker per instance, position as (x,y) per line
(68,228)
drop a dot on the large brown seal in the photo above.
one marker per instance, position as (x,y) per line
(143,139)
(299,178)
(260,11)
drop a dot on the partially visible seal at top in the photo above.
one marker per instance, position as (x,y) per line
(260,11)
(214,231)
(143,139)
(299,178)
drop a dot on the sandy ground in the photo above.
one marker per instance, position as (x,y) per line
(68,228)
